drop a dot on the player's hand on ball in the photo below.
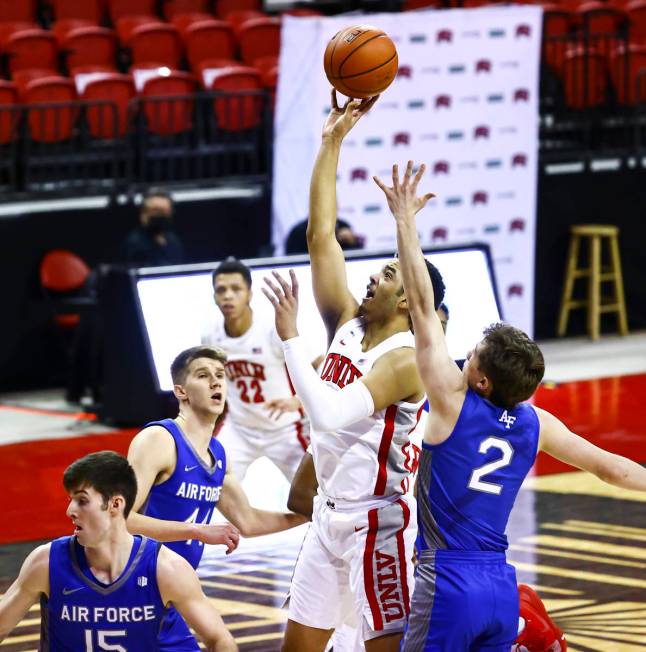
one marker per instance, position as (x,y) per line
(225,534)
(342,119)
(285,302)
(402,197)
(278,406)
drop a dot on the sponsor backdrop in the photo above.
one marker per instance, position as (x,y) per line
(465,102)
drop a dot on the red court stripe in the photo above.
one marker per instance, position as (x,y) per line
(384,448)
(368,576)
(401,553)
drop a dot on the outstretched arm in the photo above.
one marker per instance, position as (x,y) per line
(439,374)
(333,298)
(32,581)
(560,442)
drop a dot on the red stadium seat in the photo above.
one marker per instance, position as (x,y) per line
(269,79)
(126,25)
(237,112)
(557,33)
(12,27)
(8,118)
(51,124)
(183,21)
(210,68)
(62,28)
(301,11)
(159,42)
(173,114)
(18,11)
(585,78)
(626,70)
(259,38)
(118,9)
(600,18)
(238,18)
(22,77)
(117,88)
(265,64)
(224,7)
(636,11)
(91,10)
(33,48)
(89,46)
(173,7)
(208,40)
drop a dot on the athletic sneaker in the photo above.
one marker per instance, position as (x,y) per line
(539,634)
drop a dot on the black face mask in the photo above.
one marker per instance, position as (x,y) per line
(158,224)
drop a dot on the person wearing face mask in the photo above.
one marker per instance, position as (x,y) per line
(154,242)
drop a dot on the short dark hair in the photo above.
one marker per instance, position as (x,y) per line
(156,192)
(437,282)
(106,472)
(181,363)
(232,266)
(513,362)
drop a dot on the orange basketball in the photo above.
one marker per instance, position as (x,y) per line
(361,61)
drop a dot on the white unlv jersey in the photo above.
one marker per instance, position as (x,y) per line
(256,372)
(375,456)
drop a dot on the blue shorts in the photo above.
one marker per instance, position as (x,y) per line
(462,602)
(175,636)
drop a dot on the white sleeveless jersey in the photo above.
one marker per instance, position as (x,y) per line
(256,373)
(373,457)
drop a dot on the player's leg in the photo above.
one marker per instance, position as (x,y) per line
(286,448)
(502,629)
(239,447)
(539,633)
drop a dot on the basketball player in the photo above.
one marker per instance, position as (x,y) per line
(102,588)
(265,418)
(480,442)
(356,554)
(182,476)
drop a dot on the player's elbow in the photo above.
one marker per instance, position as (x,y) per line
(300,503)
(612,470)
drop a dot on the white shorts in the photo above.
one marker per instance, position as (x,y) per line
(356,558)
(284,447)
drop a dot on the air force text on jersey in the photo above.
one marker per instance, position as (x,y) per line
(192,491)
(102,615)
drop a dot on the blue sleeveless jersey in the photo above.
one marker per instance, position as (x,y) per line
(467,485)
(83,614)
(191,493)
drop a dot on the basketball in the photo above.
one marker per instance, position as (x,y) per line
(361,61)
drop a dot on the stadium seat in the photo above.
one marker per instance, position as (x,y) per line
(126,25)
(12,27)
(301,11)
(628,74)
(235,112)
(18,11)
(208,40)
(259,38)
(557,37)
(174,113)
(117,88)
(33,48)
(62,28)
(269,79)
(118,9)
(238,18)
(210,68)
(171,8)
(87,9)
(22,77)
(159,42)
(636,11)
(183,21)
(51,124)
(83,75)
(224,7)
(585,78)
(264,64)
(600,18)
(8,117)
(89,46)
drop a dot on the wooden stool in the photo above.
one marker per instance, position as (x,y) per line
(596,275)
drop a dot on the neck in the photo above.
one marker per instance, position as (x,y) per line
(197,427)
(237,326)
(378,331)
(108,560)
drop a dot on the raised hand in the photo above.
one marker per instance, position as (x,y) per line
(225,534)
(342,119)
(402,196)
(285,302)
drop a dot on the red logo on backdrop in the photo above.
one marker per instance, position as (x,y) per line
(405,71)
(479,197)
(483,65)
(481,131)
(443,100)
(440,233)
(402,138)
(517,224)
(523,30)
(521,95)
(359,174)
(441,167)
(519,159)
(515,290)
(444,35)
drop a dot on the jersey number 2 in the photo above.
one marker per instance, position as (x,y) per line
(245,391)
(102,642)
(475,482)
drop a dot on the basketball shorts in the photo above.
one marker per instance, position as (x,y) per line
(174,635)
(356,557)
(284,447)
(463,602)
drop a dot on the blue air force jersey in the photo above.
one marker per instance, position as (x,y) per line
(192,491)
(467,485)
(82,613)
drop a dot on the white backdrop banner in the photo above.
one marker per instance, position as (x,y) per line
(465,102)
